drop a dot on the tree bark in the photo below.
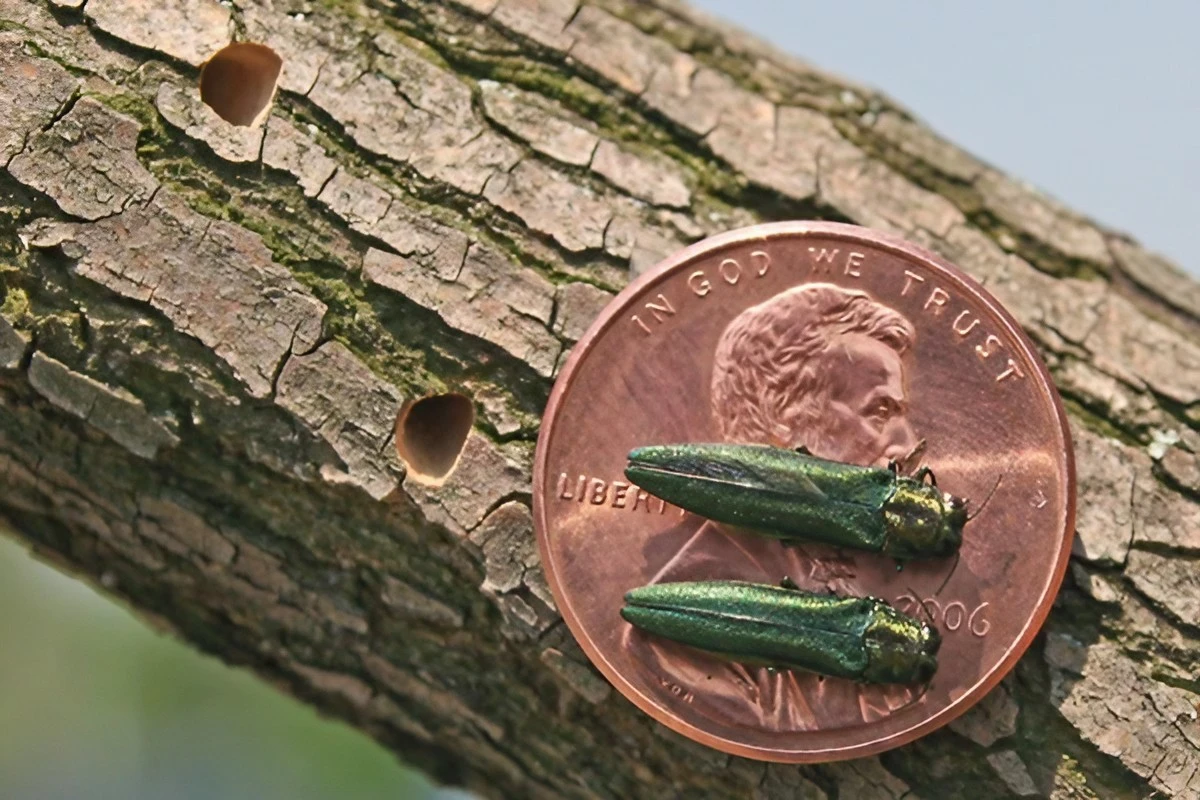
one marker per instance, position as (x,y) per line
(207,333)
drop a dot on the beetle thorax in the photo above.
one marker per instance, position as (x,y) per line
(899,649)
(921,520)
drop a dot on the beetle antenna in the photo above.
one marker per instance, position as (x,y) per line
(957,558)
(906,461)
(921,696)
(986,499)
(922,605)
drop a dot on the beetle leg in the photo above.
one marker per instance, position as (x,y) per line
(923,473)
(918,448)
(894,466)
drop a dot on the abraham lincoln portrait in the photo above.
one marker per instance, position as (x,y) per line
(816,366)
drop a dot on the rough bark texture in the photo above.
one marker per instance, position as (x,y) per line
(206,334)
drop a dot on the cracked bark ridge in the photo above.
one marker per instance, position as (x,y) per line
(184,109)
(206,334)
(1157,276)
(1150,726)
(1106,473)
(351,409)
(513,579)
(291,150)
(1011,769)
(214,280)
(86,162)
(486,296)
(189,30)
(33,91)
(546,126)
(112,411)
(13,346)
(657,181)
(577,306)
(993,719)
(487,474)
(540,195)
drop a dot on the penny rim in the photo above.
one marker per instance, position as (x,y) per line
(762,235)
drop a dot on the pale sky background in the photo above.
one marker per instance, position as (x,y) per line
(1096,103)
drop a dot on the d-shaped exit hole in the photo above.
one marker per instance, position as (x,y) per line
(431,433)
(239,82)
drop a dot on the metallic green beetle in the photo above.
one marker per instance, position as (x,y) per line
(794,496)
(860,638)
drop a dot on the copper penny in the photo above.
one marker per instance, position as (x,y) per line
(857,345)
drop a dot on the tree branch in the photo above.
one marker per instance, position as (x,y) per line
(207,333)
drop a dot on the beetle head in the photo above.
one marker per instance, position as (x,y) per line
(900,649)
(923,521)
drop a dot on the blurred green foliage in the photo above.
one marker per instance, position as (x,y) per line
(94,704)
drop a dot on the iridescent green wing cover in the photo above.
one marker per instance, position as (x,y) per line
(758,624)
(776,492)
